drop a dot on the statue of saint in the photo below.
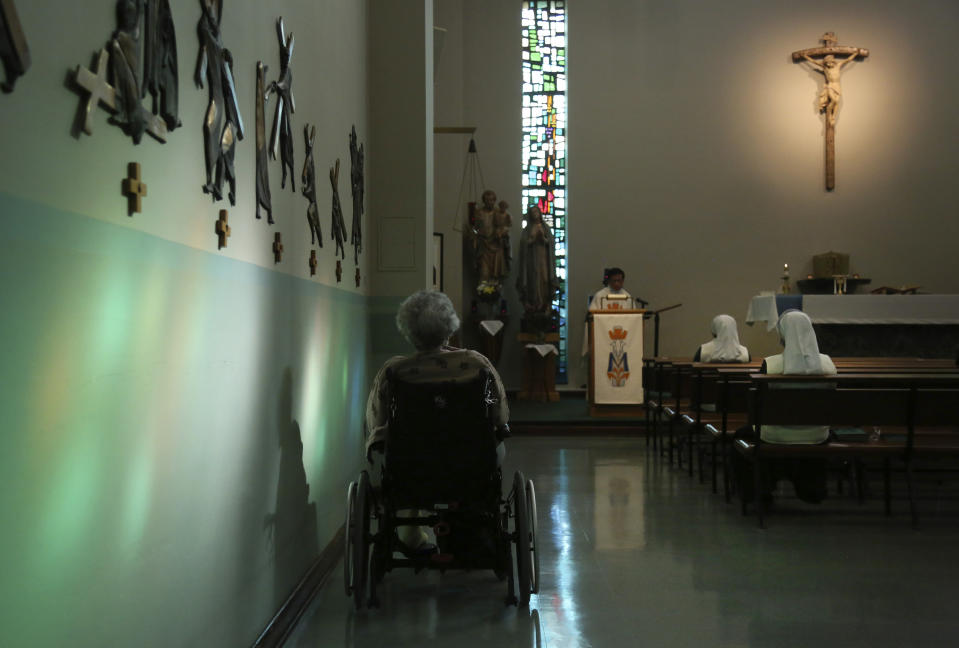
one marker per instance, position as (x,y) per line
(489,234)
(536,281)
(829,97)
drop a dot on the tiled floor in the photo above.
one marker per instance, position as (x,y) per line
(635,553)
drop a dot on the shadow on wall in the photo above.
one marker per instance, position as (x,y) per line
(292,526)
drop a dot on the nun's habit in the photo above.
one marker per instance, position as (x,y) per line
(800,356)
(725,346)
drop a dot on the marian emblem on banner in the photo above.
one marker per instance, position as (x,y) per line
(618,369)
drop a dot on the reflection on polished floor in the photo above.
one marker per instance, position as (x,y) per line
(635,553)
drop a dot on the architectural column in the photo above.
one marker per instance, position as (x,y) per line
(401,145)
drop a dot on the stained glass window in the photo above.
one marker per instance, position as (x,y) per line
(544,137)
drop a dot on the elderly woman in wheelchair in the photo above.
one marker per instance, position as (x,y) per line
(436,421)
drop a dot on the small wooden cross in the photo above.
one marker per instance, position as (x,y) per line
(134,189)
(339,271)
(313,262)
(357,277)
(222,230)
(830,68)
(277,248)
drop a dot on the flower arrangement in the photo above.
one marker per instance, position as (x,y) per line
(488,291)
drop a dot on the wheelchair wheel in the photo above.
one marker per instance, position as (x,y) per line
(348,544)
(359,539)
(523,556)
(534,550)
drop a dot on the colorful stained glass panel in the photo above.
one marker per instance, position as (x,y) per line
(544,136)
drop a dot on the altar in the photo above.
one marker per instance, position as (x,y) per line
(924,326)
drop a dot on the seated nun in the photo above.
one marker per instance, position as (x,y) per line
(800,356)
(725,346)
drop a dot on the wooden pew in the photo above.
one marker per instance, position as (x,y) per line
(912,402)
(708,402)
(663,399)
(728,381)
(679,389)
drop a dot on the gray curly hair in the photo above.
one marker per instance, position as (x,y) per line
(427,319)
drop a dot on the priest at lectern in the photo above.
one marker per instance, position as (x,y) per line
(614,336)
(612,296)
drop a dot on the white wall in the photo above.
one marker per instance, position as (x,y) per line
(329,84)
(696,152)
(179,422)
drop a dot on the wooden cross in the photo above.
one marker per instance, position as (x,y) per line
(101,92)
(134,189)
(313,262)
(339,271)
(277,248)
(222,229)
(829,96)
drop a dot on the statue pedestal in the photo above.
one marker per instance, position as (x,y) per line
(539,367)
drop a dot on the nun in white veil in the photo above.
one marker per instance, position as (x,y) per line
(800,354)
(725,346)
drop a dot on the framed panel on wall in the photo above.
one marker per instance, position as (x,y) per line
(437,261)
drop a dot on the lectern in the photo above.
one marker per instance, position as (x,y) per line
(616,362)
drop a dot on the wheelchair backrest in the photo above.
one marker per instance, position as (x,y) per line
(441,442)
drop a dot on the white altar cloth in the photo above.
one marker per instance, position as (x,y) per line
(882,309)
(861,309)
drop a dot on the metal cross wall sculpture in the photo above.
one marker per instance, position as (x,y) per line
(338,233)
(223,125)
(125,72)
(14,51)
(263,199)
(282,137)
(309,186)
(823,59)
(357,187)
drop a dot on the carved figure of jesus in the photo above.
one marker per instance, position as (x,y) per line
(831,69)
(829,96)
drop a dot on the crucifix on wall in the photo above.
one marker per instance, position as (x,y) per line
(823,59)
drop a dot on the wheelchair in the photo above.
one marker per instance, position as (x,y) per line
(440,464)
